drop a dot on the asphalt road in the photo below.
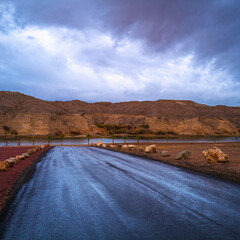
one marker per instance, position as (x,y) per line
(90,193)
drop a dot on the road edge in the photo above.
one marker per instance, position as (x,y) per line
(25,175)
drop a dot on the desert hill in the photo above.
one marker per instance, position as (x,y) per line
(26,115)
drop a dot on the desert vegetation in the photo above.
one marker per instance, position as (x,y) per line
(88,137)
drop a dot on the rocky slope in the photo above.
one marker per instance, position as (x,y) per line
(26,115)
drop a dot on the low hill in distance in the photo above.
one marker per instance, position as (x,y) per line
(25,115)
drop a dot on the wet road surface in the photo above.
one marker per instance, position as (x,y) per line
(90,193)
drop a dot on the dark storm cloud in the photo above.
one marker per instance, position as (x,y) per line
(210,29)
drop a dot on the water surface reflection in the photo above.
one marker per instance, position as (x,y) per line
(26,141)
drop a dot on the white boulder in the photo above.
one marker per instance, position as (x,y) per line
(132,147)
(151,149)
(124,147)
(25,155)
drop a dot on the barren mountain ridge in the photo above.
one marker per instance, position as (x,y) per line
(25,115)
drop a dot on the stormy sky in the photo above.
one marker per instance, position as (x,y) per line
(122,50)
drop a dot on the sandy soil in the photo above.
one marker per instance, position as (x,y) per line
(229,171)
(9,177)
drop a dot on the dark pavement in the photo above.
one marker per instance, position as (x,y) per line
(91,193)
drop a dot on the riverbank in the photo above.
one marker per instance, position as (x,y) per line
(227,171)
(82,141)
(13,178)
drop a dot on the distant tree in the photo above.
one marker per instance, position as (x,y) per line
(138,138)
(62,137)
(112,137)
(88,137)
(7,131)
(125,139)
(6,134)
(49,139)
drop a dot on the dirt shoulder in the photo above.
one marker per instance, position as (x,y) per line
(228,171)
(12,179)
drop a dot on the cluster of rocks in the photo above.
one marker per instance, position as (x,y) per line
(103,145)
(131,147)
(13,160)
(214,155)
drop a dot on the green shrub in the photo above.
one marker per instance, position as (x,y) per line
(74,132)
(144,126)
(109,127)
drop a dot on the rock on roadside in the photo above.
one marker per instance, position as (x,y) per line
(29,151)
(20,157)
(15,160)
(8,163)
(132,147)
(151,149)
(141,149)
(2,166)
(113,146)
(25,155)
(99,144)
(165,154)
(215,155)
(124,147)
(183,155)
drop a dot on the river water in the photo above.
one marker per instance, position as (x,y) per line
(77,141)
(91,193)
